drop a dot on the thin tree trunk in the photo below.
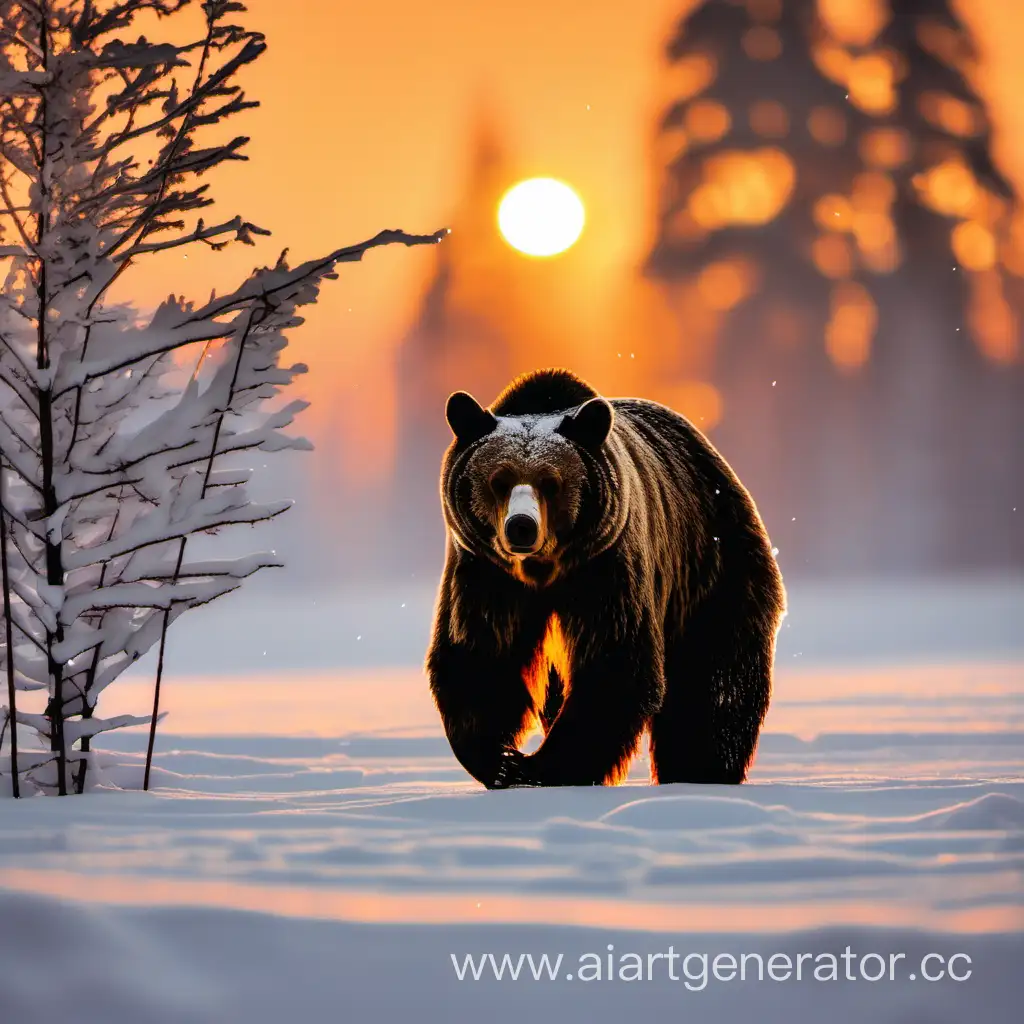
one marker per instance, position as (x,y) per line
(54,568)
(9,638)
(181,546)
(86,743)
(159,680)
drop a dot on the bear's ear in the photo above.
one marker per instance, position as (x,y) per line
(468,420)
(590,425)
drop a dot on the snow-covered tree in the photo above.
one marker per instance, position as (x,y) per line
(115,423)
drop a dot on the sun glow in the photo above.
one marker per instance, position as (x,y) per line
(541,217)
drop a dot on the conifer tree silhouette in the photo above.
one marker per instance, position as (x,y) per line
(832,199)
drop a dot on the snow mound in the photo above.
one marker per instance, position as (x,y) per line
(336,866)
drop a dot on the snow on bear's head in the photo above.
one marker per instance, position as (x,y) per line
(515,487)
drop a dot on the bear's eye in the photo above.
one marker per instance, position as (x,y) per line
(549,487)
(502,483)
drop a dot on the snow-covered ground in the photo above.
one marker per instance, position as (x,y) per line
(311,848)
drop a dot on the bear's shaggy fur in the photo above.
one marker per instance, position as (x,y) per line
(640,592)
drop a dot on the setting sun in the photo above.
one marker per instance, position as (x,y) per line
(541,217)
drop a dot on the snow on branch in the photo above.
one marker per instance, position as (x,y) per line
(114,424)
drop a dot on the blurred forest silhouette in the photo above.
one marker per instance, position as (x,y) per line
(833,292)
(833,221)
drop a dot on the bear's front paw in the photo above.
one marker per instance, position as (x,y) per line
(513,770)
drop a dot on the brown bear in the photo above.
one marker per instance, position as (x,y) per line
(607,575)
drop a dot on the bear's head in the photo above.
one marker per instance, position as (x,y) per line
(517,485)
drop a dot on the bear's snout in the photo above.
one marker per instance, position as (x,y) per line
(521,532)
(523,525)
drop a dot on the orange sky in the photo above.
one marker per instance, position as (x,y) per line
(365,114)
